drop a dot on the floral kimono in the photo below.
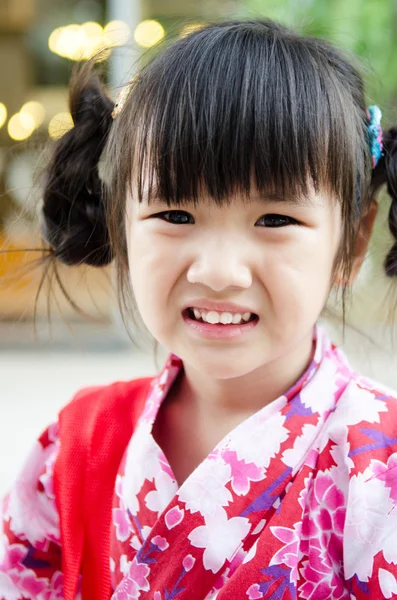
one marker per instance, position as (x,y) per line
(298,501)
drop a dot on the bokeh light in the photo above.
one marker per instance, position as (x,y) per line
(148,33)
(20,126)
(35,110)
(59,125)
(116,33)
(94,38)
(81,42)
(54,39)
(3,114)
(68,42)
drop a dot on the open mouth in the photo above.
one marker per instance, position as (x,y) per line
(212,317)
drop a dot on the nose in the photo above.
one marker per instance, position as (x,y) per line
(221,265)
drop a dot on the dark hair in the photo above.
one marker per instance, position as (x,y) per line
(231,103)
(74,221)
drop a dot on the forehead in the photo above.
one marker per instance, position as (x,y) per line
(309,198)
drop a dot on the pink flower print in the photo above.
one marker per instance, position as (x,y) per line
(53,432)
(122,524)
(174,516)
(112,565)
(160,542)
(12,555)
(33,516)
(188,562)
(254,592)
(151,407)
(263,446)
(55,590)
(145,531)
(119,486)
(294,456)
(135,543)
(220,537)
(388,584)
(8,588)
(370,521)
(47,478)
(157,596)
(206,488)
(289,554)
(138,573)
(236,561)
(357,405)
(124,564)
(251,552)
(387,473)
(242,472)
(259,527)
(31,585)
(321,540)
(131,585)
(126,590)
(157,500)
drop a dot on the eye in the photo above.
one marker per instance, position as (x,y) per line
(276,221)
(176,217)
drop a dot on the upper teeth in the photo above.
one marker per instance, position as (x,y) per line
(225,318)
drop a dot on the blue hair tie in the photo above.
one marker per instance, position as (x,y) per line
(375,135)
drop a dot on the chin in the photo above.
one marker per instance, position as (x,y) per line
(217,365)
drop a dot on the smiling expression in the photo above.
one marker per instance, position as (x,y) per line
(268,257)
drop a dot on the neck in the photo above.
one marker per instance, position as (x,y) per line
(242,396)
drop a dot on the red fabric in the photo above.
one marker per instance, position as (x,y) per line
(94,431)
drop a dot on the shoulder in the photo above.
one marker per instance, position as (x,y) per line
(368,405)
(370,411)
(90,402)
(361,428)
(364,421)
(369,452)
(106,410)
(29,509)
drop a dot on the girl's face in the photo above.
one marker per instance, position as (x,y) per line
(269,260)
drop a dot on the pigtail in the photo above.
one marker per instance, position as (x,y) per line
(386,172)
(74,221)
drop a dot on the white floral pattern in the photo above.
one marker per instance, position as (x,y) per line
(298,501)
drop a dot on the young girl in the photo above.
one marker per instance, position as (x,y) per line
(234,184)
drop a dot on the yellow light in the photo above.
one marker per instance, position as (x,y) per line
(69,42)
(116,33)
(35,110)
(27,121)
(80,42)
(94,38)
(53,39)
(72,42)
(92,29)
(148,33)
(3,114)
(59,125)
(190,28)
(20,126)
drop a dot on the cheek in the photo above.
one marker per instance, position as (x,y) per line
(154,269)
(299,277)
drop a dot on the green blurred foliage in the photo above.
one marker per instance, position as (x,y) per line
(366,30)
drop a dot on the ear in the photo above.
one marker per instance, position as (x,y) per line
(361,247)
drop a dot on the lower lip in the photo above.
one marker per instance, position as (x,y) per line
(218,332)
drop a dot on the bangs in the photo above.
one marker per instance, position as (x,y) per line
(237,105)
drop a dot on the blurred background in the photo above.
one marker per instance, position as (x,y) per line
(42,365)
